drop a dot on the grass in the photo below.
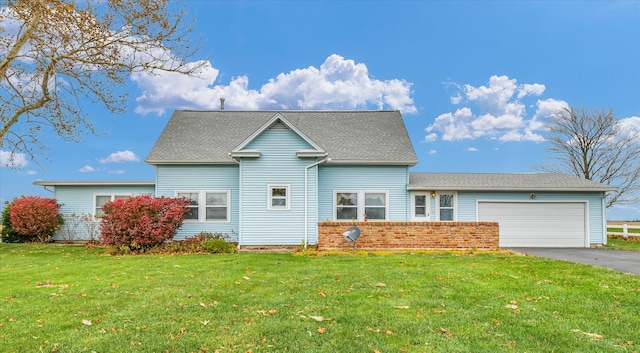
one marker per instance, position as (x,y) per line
(620,244)
(619,230)
(75,299)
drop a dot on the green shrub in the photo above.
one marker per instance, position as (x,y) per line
(218,246)
(193,245)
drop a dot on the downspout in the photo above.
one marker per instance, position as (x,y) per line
(239,200)
(306,197)
(604,221)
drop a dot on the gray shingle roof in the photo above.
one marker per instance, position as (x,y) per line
(365,137)
(503,182)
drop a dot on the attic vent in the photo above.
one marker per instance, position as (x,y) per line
(279,126)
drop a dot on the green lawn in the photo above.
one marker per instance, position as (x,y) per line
(621,244)
(619,230)
(75,299)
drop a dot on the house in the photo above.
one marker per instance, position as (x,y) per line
(270,177)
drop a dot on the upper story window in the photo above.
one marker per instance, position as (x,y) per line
(356,205)
(101,199)
(210,206)
(279,197)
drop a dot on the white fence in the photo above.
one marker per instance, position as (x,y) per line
(625,230)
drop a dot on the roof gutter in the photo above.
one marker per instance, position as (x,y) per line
(471,188)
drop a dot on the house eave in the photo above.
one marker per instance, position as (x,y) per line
(310,154)
(529,189)
(94,182)
(190,162)
(371,162)
(246,154)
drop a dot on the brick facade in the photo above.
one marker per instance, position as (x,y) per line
(410,235)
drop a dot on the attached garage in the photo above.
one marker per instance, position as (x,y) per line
(538,224)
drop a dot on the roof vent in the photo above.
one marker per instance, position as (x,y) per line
(221,103)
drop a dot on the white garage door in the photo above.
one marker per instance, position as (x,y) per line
(537,224)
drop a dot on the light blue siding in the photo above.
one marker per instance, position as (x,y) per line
(78,207)
(278,164)
(392,179)
(468,201)
(173,178)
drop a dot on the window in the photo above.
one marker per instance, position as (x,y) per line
(278,197)
(194,198)
(100,200)
(216,206)
(211,206)
(347,205)
(375,205)
(356,205)
(420,206)
(446,206)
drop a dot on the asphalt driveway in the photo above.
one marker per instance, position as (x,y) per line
(621,260)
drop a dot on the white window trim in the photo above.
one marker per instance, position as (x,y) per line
(360,204)
(427,198)
(112,197)
(202,205)
(270,206)
(455,205)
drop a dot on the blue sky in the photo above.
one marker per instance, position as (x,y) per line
(475,80)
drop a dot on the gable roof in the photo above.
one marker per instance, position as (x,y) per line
(348,137)
(503,182)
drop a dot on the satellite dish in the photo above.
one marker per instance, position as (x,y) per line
(352,234)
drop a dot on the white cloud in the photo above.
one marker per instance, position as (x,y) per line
(629,126)
(545,110)
(86,169)
(534,89)
(13,160)
(471,149)
(431,137)
(432,152)
(495,111)
(339,83)
(117,172)
(452,126)
(120,157)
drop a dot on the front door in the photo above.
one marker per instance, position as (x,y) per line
(420,210)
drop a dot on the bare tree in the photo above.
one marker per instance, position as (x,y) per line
(596,146)
(58,55)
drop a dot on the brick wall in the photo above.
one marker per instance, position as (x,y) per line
(411,235)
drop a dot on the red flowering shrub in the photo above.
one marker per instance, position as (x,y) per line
(142,222)
(37,218)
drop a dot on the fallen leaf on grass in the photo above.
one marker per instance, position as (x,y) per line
(318,318)
(401,306)
(87,322)
(321,329)
(381,285)
(593,336)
